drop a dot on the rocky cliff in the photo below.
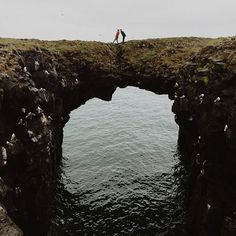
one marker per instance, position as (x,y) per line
(41,82)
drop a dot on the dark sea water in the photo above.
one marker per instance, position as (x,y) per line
(120,168)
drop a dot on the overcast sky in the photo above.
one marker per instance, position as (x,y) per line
(99,19)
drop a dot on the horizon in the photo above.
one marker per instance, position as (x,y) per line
(57,40)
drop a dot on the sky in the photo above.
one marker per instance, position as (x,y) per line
(98,19)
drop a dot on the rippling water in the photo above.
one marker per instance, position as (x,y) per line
(119,168)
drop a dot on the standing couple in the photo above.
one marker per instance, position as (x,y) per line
(117,35)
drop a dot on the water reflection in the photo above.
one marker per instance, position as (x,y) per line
(147,205)
(122,174)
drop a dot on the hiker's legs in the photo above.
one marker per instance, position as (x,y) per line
(123,40)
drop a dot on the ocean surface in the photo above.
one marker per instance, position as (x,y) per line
(120,172)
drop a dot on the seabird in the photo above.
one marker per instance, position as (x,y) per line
(63,83)
(204,163)
(34,139)
(198,159)
(49,117)
(30,115)
(199,138)
(39,110)
(45,97)
(18,190)
(31,133)
(8,143)
(217,99)
(32,136)
(13,137)
(20,122)
(43,118)
(4,155)
(201,98)
(208,206)
(225,128)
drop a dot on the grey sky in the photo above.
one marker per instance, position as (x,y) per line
(98,19)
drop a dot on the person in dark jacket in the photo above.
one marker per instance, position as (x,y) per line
(123,35)
(117,36)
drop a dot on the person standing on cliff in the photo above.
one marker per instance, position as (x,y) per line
(117,36)
(123,35)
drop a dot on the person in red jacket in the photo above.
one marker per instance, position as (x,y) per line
(117,36)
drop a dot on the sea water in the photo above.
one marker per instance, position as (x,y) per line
(120,167)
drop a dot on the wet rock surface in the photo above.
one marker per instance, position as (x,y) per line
(42,82)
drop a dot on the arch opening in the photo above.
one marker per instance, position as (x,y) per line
(121,167)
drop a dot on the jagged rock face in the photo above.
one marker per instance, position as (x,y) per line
(42,82)
(205,103)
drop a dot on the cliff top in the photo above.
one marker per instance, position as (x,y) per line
(134,61)
(77,45)
(144,56)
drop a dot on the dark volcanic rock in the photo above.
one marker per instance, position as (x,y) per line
(210,103)
(42,82)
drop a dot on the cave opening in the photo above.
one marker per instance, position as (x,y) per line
(121,168)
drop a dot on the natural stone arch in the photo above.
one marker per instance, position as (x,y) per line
(41,82)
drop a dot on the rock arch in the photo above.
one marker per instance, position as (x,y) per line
(41,82)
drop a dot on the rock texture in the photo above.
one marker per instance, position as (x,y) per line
(41,82)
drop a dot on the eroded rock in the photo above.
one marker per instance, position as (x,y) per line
(43,85)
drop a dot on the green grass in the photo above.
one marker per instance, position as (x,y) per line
(138,54)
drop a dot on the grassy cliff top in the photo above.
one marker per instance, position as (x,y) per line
(67,45)
(141,56)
